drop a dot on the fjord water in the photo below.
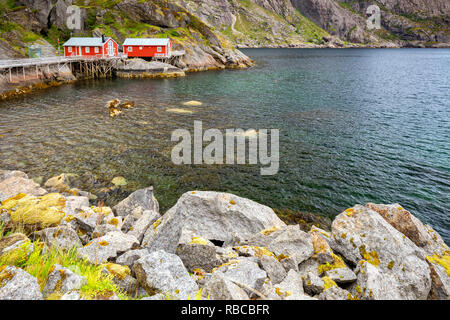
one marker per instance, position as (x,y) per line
(356,126)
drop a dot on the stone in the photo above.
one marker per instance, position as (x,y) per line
(364,237)
(223,217)
(130,257)
(136,203)
(335,293)
(312,284)
(108,247)
(309,266)
(61,183)
(440,277)
(74,204)
(156,297)
(15,248)
(162,272)
(422,235)
(119,181)
(72,295)
(141,225)
(16,284)
(61,237)
(289,263)
(219,287)
(286,241)
(62,280)
(291,288)
(341,275)
(35,212)
(245,273)
(121,277)
(14,182)
(274,269)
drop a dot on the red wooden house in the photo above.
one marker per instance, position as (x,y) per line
(147,47)
(90,47)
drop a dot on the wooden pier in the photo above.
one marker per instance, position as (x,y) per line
(18,70)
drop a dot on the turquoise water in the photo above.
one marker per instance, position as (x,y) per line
(356,126)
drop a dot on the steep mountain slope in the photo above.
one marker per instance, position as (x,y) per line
(28,21)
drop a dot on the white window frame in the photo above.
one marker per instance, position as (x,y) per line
(69,49)
(130,49)
(87,50)
(159,49)
(140,48)
(96,50)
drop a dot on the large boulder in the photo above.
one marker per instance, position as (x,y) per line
(15,182)
(108,247)
(382,253)
(136,203)
(16,284)
(141,225)
(286,241)
(218,217)
(162,272)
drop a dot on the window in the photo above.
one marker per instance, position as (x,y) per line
(96,50)
(159,49)
(130,49)
(140,48)
(69,49)
(87,49)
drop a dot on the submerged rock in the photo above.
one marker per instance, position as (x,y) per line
(217,217)
(16,284)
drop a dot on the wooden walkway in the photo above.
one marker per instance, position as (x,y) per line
(35,68)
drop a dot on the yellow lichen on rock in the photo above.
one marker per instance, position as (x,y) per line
(371,257)
(118,270)
(443,261)
(198,240)
(338,263)
(269,231)
(43,211)
(328,283)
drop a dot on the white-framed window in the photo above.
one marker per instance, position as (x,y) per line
(96,50)
(88,49)
(159,49)
(69,49)
(140,48)
(130,49)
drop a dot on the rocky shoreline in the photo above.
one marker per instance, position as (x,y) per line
(56,244)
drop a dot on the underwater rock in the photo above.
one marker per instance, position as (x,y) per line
(119,181)
(192,103)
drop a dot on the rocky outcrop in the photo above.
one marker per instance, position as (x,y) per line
(214,245)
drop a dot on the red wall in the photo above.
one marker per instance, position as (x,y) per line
(81,51)
(147,51)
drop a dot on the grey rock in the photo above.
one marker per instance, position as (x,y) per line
(341,275)
(399,266)
(141,225)
(275,270)
(122,279)
(309,266)
(220,288)
(62,280)
(313,284)
(62,237)
(108,247)
(440,289)
(289,263)
(334,293)
(16,284)
(245,273)
(74,204)
(136,203)
(223,216)
(130,257)
(15,182)
(162,272)
(287,241)
(156,297)
(72,295)
(291,288)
